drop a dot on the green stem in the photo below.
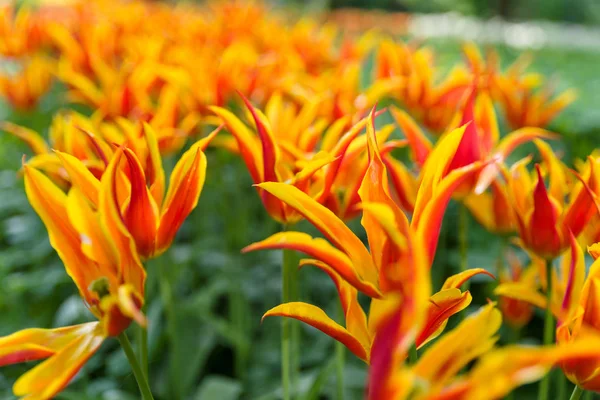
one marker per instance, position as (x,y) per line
(463,234)
(412,355)
(340,353)
(562,385)
(143,348)
(290,333)
(577,392)
(588,395)
(548,329)
(135,366)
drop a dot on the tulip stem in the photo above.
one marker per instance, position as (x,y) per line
(143,349)
(290,332)
(562,385)
(340,353)
(135,366)
(463,233)
(548,329)
(577,392)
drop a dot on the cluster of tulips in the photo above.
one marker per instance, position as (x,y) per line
(287,97)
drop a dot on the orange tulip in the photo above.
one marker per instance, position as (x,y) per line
(291,156)
(92,142)
(580,304)
(544,217)
(150,217)
(392,241)
(24,88)
(99,255)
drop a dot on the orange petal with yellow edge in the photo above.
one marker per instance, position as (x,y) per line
(322,251)
(33,139)
(130,268)
(315,317)
(49,202)
(432,213)
(45,380)
(248,143)
(35,343)
(80,176)
(457,280)
(442,305)
(186,183)
(356,319)
(419,144)
(329,224)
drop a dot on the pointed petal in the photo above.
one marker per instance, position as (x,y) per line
(248,142)
(316,318)
(421,146)
(185,187)
(33,344)
(33,139)
(49,202)
(472,338)
(48,378)
(154,168)
(356,319)
(130,267)
(519,291)
(140,215)
(516,138)
(442,306)
(322,251)
(80,176)
(331,226)
(543,235)
(456,281)
(431,215)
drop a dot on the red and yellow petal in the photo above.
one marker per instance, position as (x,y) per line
(315,317)
(185,187)
(322,251)
(45,380)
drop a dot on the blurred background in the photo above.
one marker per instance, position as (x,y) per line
(205,277)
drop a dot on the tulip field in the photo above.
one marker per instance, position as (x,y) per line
(242,200)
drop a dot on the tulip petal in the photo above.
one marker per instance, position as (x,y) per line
(185,187)
(48,378)
(154,169)
(420,146)
(523,292)
(331,226)
(33,139)
(429,223)
(356,319)
(457,280)
(248,143)
(130,267)
(472,338)
(49,202)
(33,344)
(322,251)
(442,305)
(315,317)
(80,176)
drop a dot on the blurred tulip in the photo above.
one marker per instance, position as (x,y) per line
(545,216)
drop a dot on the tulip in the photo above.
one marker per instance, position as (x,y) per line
(392,241)
(99,255)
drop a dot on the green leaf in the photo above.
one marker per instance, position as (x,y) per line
(217,387)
